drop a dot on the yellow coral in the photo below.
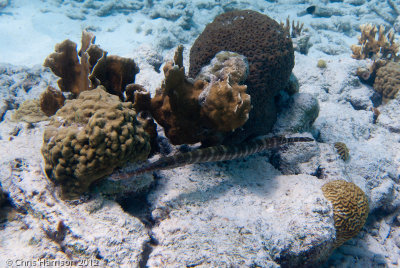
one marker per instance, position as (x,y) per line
(227,106)
(88,138)
(321,64)
(350,208)
(368,47)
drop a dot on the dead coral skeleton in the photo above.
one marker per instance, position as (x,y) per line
(390,14)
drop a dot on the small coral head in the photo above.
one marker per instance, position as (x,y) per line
(350,208)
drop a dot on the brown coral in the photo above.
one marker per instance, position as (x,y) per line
(88,138)
(294,30)
(382,48)
(29,111)
(197,111)
(227,106)
(175,106)
(387,81)
(270,54)
(350,208)
(64,63)
(342,150)
(51,100)
(114,73)
(92,68)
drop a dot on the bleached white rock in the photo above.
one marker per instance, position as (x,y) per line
(225,217)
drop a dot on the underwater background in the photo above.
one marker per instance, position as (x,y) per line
(200,133)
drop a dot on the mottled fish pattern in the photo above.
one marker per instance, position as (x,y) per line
(212,154)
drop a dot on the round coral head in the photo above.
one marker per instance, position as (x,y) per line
(350,208)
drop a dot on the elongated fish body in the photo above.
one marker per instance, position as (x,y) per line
(212,154)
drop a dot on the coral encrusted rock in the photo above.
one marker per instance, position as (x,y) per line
(207,109)
(269,51)
(89,137)
(350,208)
(387,81)
(29,112)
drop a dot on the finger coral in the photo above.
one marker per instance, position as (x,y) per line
(269,51)
(88,138)
(382,48)
(387,81)
(201,111)
(350,208)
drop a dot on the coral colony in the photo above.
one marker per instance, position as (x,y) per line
(102,127)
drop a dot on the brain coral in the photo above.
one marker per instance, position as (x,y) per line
(350,208)
(89,137)
(387,81)
(269,51)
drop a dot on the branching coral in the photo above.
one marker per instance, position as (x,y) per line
(89,137)
(350,208)
(64,63)
(197,111)
(92,68)
(382,48)
(114,73)
(294,30)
